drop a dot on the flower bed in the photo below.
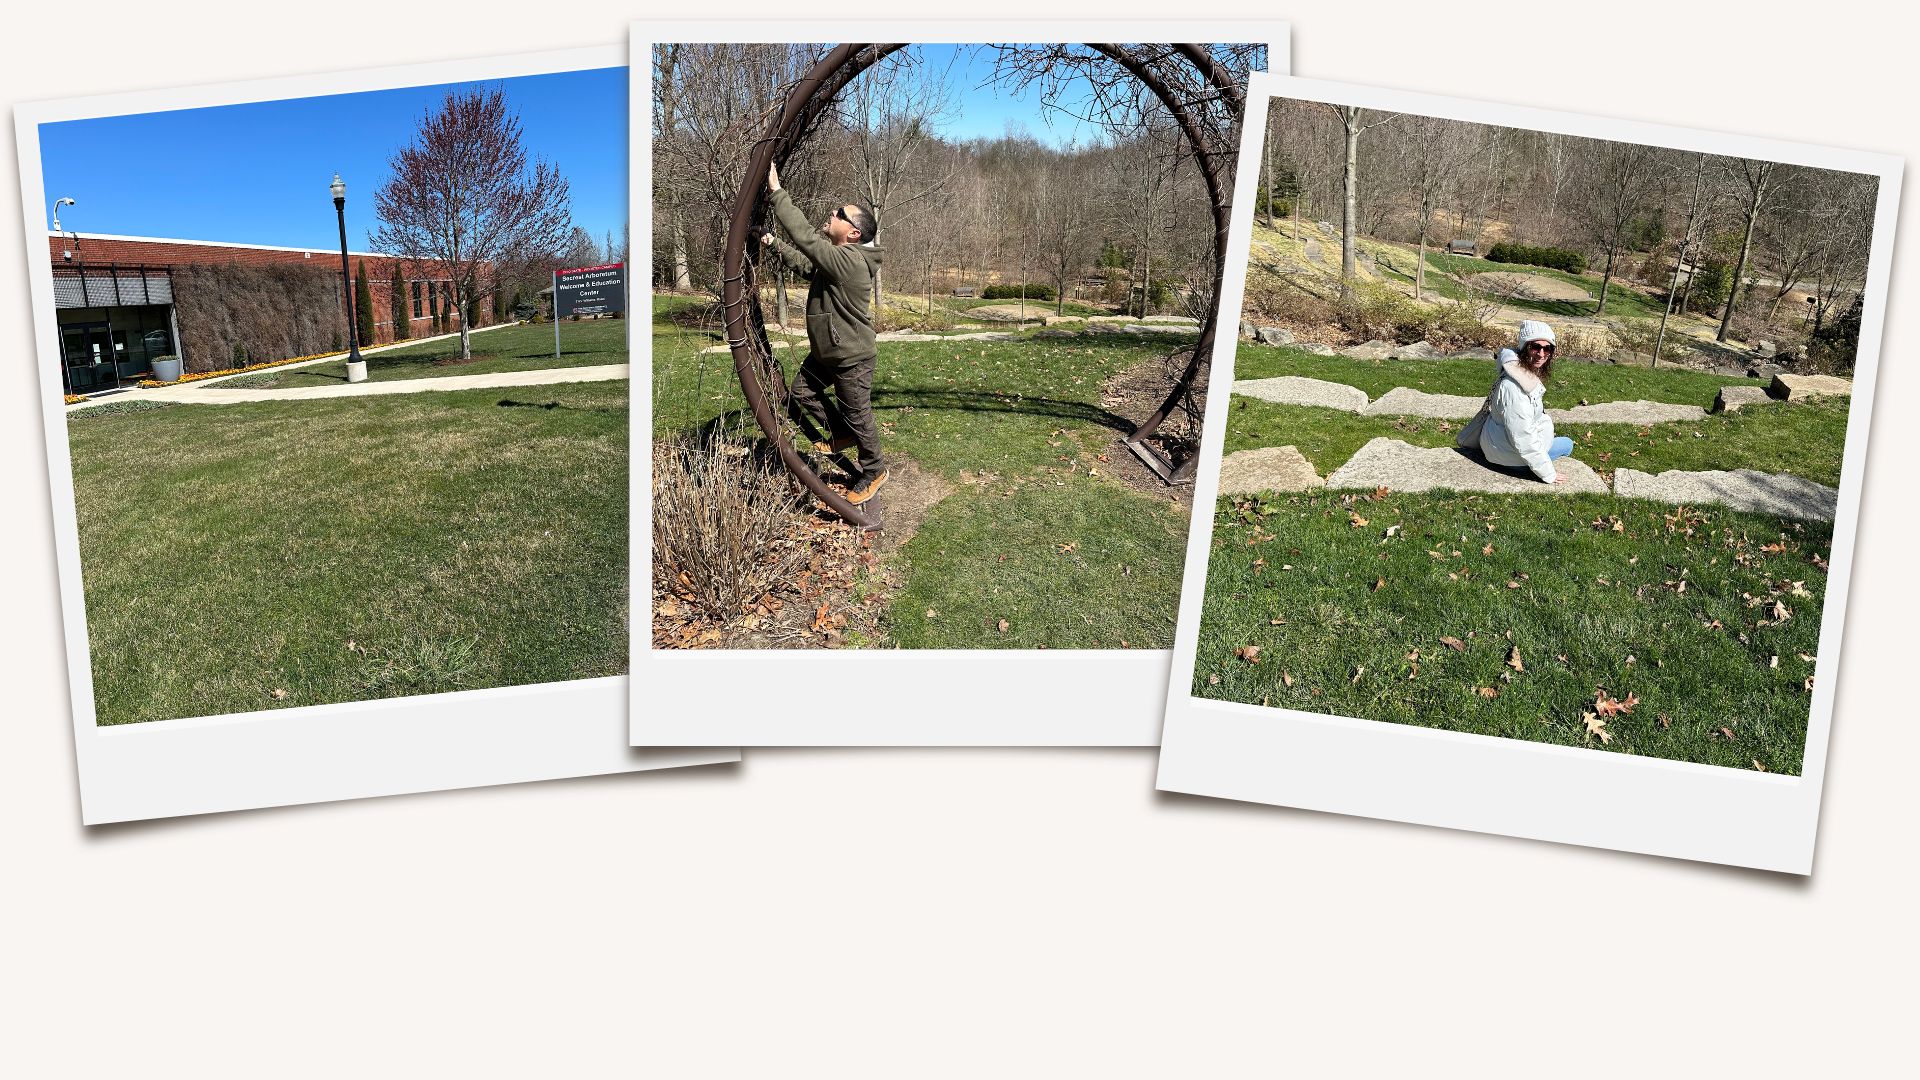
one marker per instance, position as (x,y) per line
(75,399)
(199,375)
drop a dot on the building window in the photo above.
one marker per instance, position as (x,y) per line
(416,299)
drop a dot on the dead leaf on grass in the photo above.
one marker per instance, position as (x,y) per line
(1249,653)
(1454,643)
(1488,691)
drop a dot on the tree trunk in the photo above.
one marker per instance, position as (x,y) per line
(1420,268)
(466,343)
(682,273)
(1606,278)
(780,296)
(1266,172)
(1739,267)
(1351,195)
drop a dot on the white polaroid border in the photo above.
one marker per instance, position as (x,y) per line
(352,750)
(927,697)
(1484,783)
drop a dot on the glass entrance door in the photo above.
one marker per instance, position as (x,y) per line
(87,349)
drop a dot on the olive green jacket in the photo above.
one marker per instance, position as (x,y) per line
(839,285)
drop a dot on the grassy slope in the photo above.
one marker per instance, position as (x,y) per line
(460,543)
(1595,596)
(1623,300)
(1018,426)
(513,348)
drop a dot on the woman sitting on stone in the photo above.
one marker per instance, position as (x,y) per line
(1513,428)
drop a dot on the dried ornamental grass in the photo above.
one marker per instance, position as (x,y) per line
(722,526)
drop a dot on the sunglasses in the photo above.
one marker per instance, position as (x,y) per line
(841,213)
(1534,346)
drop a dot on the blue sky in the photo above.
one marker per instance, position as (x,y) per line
(258,173)
(985,109)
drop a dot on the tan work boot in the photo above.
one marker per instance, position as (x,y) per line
(867,486)
(839,443)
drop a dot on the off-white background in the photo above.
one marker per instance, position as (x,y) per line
(961,913)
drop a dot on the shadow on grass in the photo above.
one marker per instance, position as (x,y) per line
(991,402)
(510,403)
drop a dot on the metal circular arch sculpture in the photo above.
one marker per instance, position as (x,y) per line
(811,97)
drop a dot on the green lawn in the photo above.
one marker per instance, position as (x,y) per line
(1018,427)
(1473,376)
(1707,619)
(280,554)
(1805,439)
(525,347)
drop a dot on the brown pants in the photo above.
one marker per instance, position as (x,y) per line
(850,413)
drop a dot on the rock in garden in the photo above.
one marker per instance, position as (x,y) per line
(1370,350)
(1628,412)
(1787,387)
(1188,319)
(1055,320)
(1055,334)
(1406,401)
(1270,468)
(1274,335)
(1763,371)
(1316,348)
(1399,466)
(1419,350)
(1780,494)
(1246,330)
(1161,328)
(1730,398)
(1764,348)
(984,335)
(1295,390)
(902,335)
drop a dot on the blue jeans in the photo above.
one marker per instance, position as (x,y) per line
(1562,447)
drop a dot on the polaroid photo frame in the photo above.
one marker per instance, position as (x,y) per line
(323,752)
(1564,793)
(881,697)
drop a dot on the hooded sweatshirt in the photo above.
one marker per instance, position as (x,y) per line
(1518,431)
(839,283)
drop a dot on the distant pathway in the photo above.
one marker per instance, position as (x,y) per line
(214,395)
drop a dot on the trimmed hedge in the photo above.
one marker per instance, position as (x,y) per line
(1554,258)
(1034,291)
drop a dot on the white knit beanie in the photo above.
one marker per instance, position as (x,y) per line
(1534,330)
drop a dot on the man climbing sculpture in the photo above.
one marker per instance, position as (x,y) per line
(838,260)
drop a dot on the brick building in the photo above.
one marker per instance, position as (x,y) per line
(115,297)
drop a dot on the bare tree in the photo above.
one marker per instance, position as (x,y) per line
(892,112)
(1755,180)
(466,195)
(1620,184)
(1354,122)
(1436,152)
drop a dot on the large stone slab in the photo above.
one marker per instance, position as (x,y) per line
(1419,350)
(1781,494)
(1406,401)
(1628,412)
(1787,387)
(1270,468)
(1295,390)
(983,335)
(1731,398)
(902,335)
(1161,328)
(1188,319)
(1399,466)
(1274,335)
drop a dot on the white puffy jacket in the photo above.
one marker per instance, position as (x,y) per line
(1518,430)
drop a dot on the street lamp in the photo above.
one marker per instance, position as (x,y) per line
(57,204)
(356,366)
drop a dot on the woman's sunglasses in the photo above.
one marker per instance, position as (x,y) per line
(1534,346)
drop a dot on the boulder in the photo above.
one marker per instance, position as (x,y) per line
(1274,335)
(1399,466)
(1055,320)
(1419,350)
(1160,328)
(1370,350)
(1246,330)
(1187,319)
(1731,398)
(1295,390)
(1763,371)
(1787,387)
(1764,349)
(1779,494)
(1316,348)
(1270,468)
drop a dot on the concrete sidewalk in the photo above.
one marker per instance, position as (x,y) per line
(213,395)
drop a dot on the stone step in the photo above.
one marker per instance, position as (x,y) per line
(1779,494)
(1400,466)
(1406,401)
(1299,390)
(1628,412)
(1268,469)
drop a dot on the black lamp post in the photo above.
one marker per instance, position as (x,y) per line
(356,365)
